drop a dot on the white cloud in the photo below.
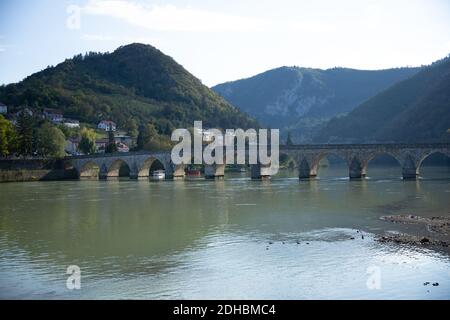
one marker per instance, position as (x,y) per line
(171,18)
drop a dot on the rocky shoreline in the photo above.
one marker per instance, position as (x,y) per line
(433,232)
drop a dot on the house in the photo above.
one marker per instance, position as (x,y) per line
(123,139)
(53,115)
(3,108)
(101,144)
(122,147)
(72,146)
(107,125)
(70,123)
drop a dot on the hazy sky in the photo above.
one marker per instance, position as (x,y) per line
(220,41)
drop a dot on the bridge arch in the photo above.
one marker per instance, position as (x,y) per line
(385,156)
(309,165)
(287,161)
(428,155)
(89,170)
(118,168)
(150,164)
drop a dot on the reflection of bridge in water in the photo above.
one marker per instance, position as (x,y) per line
(307,158)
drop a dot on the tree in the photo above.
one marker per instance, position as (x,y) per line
(147,133)
(69,132)
(50,141)
(111,147)
(132,128)
(25,134)
(289,141)
(8,137)
(87,142)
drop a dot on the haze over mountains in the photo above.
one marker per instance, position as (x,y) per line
(302,100)
(135,81)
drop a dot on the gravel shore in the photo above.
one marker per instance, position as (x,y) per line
(434,231)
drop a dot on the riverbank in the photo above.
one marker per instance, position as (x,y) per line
(429,232)
(23,170)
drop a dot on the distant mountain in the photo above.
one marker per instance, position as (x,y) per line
(302,99)
(414,110)
(135,81)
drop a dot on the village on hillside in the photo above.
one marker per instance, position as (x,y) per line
(78,138)
(72,128)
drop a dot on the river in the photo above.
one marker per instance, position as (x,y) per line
(230,239)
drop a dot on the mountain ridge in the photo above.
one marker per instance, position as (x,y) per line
(413,110)
(301,99)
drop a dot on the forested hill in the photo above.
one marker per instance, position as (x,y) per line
(414,110)
(135,81)
(302,99)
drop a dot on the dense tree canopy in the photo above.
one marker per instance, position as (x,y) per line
(134,85)
(50,141)
(8,137)
(87,141)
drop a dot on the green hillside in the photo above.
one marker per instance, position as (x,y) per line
(416,109)
(135,81)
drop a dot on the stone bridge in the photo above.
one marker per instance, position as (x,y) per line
(307,158)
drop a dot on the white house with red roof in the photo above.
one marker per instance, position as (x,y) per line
(107,125)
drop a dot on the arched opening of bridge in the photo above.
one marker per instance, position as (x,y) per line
(330,165)
(436,165)
(89,170)
(152,168)
(119,169)
(156,166)
(288,166)
(383,165)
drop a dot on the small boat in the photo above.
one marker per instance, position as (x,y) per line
(193,172)
(158,174)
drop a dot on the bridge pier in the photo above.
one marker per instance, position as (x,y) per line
(304,170)
(176,173)
(356,170)
(103,174)
(410,168)
(135,175)
(260,172)
(215,171)
(410,172)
